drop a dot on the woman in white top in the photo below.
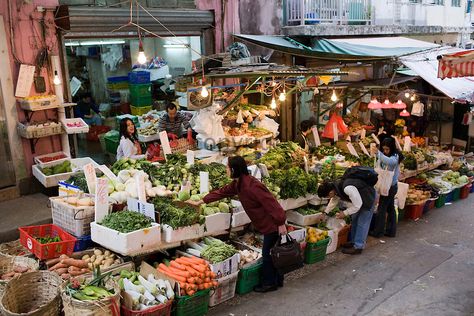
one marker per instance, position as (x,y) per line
(129,146)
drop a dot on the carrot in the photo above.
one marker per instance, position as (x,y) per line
(162,266)
(214,283)
(207,280)
(192,271)
(199,268)
(184,261)
(61,271)
(201,286)
(212,275)
(191,280)
(176,265)
(185,274)
(199,281)
(52,262)
(63,256)
(73,268)
(207,285)
(174,276)
(183,286)
(75,272)
(75,262)
(58,265)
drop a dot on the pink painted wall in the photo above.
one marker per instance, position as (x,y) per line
(28,41)
(231,20)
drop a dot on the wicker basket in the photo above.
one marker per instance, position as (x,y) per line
(105,307)
(7,263)
(32,294)
(14,248)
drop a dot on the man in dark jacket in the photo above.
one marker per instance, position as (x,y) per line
(359,197)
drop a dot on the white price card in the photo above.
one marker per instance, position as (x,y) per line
(101,199)
(407,143)
(144,208)
(352,150)
(204,185)
(335,132)
(376,139)
(317,141)
(306,164)
(140,180)
(397,143)
(25,80)
(264,170)
(91,178)
(363,148)
(165,143)
(362,133)
(373,146)
(190,157)
(108,173)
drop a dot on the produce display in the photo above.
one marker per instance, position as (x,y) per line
(415,196)
(76,124)
(126,221)
(145,293)
(129,163)
(63,167)
(16,271)
(455,178)
(308,210)
(175,216)
(79,180)
(150,130)
(78,200)
(410,162)
(291,183)
(48,239)
(212,249)
(52,158)
(248,256)
(93,290)
(251,239)
(192,273)
(313,235)
(327,151)
(283,156)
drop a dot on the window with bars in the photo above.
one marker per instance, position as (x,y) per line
(437,2)
(456,3)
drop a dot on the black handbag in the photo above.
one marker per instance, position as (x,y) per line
(287,256)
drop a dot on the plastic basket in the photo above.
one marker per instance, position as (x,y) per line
(249,278)
(441,201)
(83,242)
(429,205)
(456,194)
(414,211)
(465,191)
(138,111)
(75,220)
(343,235)
(139,101)
(139,77)
(225,289)
(196,305)
(140,90)
(158,310)
(46,251)
(112,143)
(472,189)
(315,252)
(449,197)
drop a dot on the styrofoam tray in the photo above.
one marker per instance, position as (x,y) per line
(313,199)
(217,223)
(150,138)
(75,130)
(183,233)
(303,220)
(140,241)
(37,159)
(240,219)
(291,204)
(226,267)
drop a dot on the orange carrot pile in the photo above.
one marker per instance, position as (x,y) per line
(193,274)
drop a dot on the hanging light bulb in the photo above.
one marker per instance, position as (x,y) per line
(386,104)
(334,96)
(56,79)
(374,104)
(404,113)
(316,91)
(282,96)
(413,98)
(273,104)
(141,54)
(399,105)
(204,92)
(407,95)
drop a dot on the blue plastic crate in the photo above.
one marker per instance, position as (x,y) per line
(117,79)
(83,243)
(138,77)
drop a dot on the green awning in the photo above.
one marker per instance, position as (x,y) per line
(353,49)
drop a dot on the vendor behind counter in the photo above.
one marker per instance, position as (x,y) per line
(303,138)
(174,121)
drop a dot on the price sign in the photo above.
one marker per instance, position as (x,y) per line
(144,208)
(407,144)
(363,148)
(204,185)
(108,173)
(306,165)
(352,150)
(190,157)
(140,180)
(335,132)
(362,133)
(317,141)
(373,146)
(91,178)
(376,139)
(397,143)
(101,200)
(264,170)
(165,143)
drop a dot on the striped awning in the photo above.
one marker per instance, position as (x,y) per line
(460,64)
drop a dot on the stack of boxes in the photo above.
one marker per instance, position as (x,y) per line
(140,92)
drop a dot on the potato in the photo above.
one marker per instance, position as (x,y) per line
(93,258)
(108,262)
(101,258)
(85,257)
(97,252)
(107,253)
(91,266)
(97,262)
(117,261)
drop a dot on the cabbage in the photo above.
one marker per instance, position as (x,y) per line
(184,195)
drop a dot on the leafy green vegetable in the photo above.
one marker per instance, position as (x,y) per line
(48,239)
(327,151)
(126,221)
(308,210)
(293,183)
(283,156)
(79,181)
(176,216)
(217,250)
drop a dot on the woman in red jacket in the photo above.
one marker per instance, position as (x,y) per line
(266,214)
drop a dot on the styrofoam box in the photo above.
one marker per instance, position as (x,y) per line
(133,243)
(217,222)
(299,234)
(313,199)
(291,204)
(240,219)
(182,233)
(75,130)
(226,267)
(303,220)
(50,163)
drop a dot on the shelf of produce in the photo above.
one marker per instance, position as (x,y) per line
(46,130)
(51,159)
(75,126)
(304,220)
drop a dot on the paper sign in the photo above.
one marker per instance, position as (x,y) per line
(363,148)
(25,80)
(144,208)
(335,131)
(362,133)
(376,139)
(264,144)
(190,157)
(348,138)
(264,170)
(317,141)
(91,178)
(255,171)
(165,143)
(352,149)
(204,185)
(140,180)
(373,146)
(108,173)
(101,199)
(306,165)
(407,144)
(397,143)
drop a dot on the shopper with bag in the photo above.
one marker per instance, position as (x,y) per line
(266,214)
(356,189)
(385,220)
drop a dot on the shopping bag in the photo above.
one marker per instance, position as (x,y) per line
(287,256)
(384,181)
(402,194)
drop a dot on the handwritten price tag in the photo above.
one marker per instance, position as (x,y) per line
(190,157)
(407,144)
(140,180)
(91,178)
(317,141)
(165,144)
(204,185)
(376,139)
(101,199)
(335,132)
(363,148)
(352,149)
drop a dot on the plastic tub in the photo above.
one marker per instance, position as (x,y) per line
(414,211)
(449,197)
(343,235)
(83,243)
(456,194)
(139,77)
(158,310)
(315,252)
(465,191)
(249,278)
(196,305)
(441,201)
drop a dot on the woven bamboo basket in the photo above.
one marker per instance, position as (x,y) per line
(105,307)
(14,248)
(7,264)
(32,294)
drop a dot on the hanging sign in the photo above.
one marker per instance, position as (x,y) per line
(25,80)
(91,178)
(306,165)
(101,200)
(397,143)
(317,141)
(407,143)
(108,173)
(144,208)
(363,148)
(376,139)
(335,132)
(190,157)
(140,180)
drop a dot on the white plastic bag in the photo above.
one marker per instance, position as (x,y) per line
(208,124)
(384,181)
(402,194)
(268,124)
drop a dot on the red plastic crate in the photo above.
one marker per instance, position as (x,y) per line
(465,190)
(414,211)
(46,251)
(159,310)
